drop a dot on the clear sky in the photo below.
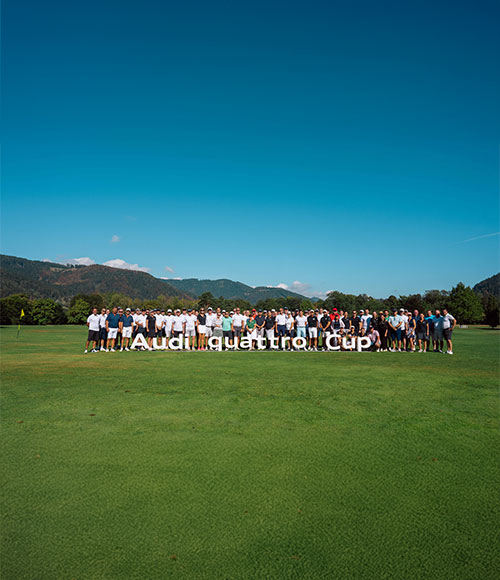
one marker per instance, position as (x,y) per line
(348,146)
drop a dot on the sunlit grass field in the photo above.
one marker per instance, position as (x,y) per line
(248,465)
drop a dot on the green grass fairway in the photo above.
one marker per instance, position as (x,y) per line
(248,465)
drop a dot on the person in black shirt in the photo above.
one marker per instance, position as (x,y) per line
(325,323)
(347,322)
(355,323)
(423,332)
(270,326)
(312,326)
(201,327)
(260,322)
(383,330)
(150,327)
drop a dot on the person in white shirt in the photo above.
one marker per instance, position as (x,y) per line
(190,321)
(281,326)
(449,324)
(103,333)
(160,322)
(93,336)
(217,324)
(245,316)
(169,320)
(141,323)
(365,320)
(289,324)
(301,324)
(210,323)
(177,324)
(236,326)
(404,326)
(135,316)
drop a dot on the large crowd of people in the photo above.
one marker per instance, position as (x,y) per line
(396,331)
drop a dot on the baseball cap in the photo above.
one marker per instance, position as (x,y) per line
(169,310)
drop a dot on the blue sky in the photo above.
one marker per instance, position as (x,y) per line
(318,145)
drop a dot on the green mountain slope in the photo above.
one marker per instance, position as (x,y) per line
(61,282)
(230,290)
(490,285)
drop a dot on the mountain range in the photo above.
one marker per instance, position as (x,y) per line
(40,279)
(231,290)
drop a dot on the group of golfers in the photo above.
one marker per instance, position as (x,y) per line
(396,331)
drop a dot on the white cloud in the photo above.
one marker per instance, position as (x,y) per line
(169,269)
(295,286)
(115,239)
(80,261)
(118,263)
(166,278)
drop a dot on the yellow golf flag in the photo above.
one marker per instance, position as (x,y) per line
(22,312)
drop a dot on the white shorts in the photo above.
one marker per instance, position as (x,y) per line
(313,333)
(270,333)
(253,334)
(208,331)
(168,332)
(112,332)
(202,329)
(127,331)
(190,332)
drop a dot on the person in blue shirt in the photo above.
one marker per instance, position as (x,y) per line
(430,320)
(112,324)
(126,326)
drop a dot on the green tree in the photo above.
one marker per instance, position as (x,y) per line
(79,312)
(10,309)
(206,299)
(433,299)
(491,310)
(47,311)
(93,300)
(465,305)
(412,302)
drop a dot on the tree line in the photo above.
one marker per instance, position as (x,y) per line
(467,306)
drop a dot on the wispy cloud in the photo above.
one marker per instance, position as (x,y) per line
(480,237)
(169,269)
(115,239)
(119,263)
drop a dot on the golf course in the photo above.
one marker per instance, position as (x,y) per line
(248,465)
